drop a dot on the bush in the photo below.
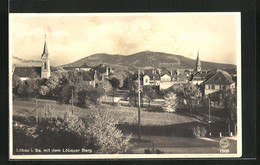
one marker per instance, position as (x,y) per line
(23,136)
(69,131)
(171,102)
(199,131)
(97,132)
(108,139)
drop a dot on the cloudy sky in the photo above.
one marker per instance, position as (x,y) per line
(74,36)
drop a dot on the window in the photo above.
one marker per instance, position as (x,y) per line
(146,80)
(45,66)
(213,86)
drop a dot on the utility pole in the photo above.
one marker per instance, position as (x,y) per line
(36,115)
(72,99)
(139,101)
(209,118)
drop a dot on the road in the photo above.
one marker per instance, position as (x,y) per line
(181,145)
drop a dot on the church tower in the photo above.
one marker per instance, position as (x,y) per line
(198,64)
(45,69)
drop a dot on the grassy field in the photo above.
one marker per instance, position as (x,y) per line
(124,114)
(168,131)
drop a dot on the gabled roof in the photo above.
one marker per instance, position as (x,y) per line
(155,77)
(231,71)
(152,73)
(220,78)
(200,75)
(85,66)
(180,77)
(32,72)
(149,72)
(165,74)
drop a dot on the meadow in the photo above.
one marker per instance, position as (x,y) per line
(170,132)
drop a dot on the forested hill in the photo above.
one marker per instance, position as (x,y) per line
(146,59)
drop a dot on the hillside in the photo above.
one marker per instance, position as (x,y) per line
(146,59)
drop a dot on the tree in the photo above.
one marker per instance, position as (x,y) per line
(133,93)
(31,88)
(74,77)
(191,95)
(66,93)
(16,84)
(126,83)
(121,75)
(44,90)
(149,93)
(106,85)
(170,103)
(115,84)
(52,82)
(107,138)
(230,105)
(95,94)
(188,95)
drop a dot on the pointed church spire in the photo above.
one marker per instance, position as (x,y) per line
(198,64)
(45,69)
(45,49)
(198,58)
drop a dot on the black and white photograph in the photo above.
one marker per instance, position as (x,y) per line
(125,85)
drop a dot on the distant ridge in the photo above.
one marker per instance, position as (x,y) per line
(146,59)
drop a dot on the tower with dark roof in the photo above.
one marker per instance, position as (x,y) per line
(198,64)
(45,69)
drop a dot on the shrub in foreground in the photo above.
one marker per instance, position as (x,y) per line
(199,131)
(97,132)
(108,139)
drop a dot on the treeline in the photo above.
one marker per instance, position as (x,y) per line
(65,87)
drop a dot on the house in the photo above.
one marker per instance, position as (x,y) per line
(232,72)
(162,78)
(26,73)
(198,78)
(165,80)
(220,80)
(91,78)
(169,78)
(104,70)
(84,67)
(151,77)
(43,71)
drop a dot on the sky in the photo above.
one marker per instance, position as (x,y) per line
(71,37)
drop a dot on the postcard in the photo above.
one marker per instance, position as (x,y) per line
(125,85)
